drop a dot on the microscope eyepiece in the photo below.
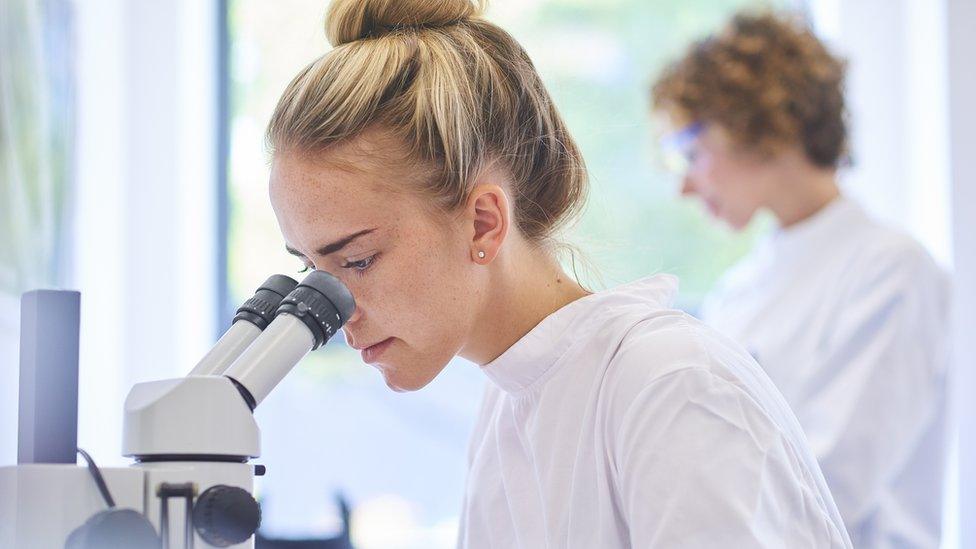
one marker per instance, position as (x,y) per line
(322,302)
(307,317)
(257,313)
(262,307)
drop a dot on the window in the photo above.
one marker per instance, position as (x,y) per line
(36,144)
(36,148)
(332,424)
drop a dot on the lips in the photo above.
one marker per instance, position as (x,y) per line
(372,353)
(712,207)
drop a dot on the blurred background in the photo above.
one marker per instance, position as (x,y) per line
(133,168)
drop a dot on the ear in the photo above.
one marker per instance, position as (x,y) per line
(488,214)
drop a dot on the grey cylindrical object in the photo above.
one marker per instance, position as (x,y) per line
(48,403)
(253,316)
(230,346)
(307,317)
(269,359)
(323,302)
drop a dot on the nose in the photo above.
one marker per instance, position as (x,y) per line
(357,314)
(687,186)
(355,319)
(351,327)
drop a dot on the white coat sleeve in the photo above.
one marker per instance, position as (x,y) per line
(879,385)
(700,464)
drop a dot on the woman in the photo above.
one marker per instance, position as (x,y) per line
(423,163)
(846,316)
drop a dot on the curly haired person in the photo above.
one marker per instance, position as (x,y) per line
(847,316)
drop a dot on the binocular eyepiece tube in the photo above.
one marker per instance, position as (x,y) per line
(251,319)
(305,319)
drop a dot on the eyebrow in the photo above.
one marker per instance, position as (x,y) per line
(332,247)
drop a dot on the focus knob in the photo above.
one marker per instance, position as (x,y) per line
(226,515)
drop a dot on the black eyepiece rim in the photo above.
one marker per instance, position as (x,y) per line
(332,289)
(279,284)
(261,308)
(322,302)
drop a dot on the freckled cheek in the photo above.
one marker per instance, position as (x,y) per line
(428,309)
(371,295)
(387,297)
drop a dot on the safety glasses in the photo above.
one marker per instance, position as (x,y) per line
(677,148)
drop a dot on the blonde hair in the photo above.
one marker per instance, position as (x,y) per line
(459,92)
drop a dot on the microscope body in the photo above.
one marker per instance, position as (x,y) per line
(191,439)
(191,436)
(187,435)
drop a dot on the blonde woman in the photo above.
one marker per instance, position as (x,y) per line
(848,317)
(423,162)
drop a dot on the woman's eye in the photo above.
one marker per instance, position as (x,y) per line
(305,268)
(360,265)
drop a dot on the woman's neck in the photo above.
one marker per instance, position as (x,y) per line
(525,287)
(801,194)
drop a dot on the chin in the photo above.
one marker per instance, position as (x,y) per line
(406,379)
(399,386)
(737,223)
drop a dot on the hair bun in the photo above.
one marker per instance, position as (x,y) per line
(351,20)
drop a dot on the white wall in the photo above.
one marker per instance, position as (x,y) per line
(912,90)
(897,101)
(9,368)
(962,124)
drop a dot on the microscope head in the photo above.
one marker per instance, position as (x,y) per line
(211,414)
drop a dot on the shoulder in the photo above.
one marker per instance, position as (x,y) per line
(632,353)
(887,265)
(879,248)
(677,381)
(669,342)
(673,356)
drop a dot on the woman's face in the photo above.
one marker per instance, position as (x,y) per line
(731,182)
(417,291)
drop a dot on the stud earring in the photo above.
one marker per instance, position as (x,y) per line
(481,254)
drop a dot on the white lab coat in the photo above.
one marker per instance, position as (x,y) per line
(849,319)
(620,422)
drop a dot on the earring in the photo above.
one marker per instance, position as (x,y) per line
(481,254)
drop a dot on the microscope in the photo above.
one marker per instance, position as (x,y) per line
(191,438)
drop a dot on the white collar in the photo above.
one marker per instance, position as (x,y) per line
(834,221)
(527,362)
(831,218)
